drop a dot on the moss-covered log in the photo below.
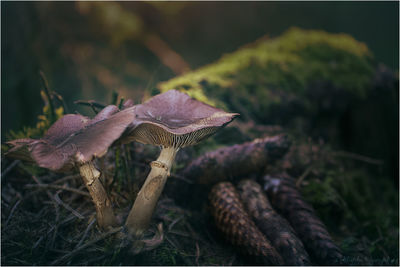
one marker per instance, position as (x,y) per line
(295,74)
(310,82)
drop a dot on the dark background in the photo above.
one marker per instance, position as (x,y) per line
(87,54)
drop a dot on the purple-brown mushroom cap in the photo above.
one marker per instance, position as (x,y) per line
(173,119)
(75,139)
(127,104)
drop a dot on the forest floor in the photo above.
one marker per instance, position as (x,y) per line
(49,219)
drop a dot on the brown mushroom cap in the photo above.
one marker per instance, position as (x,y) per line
(76,139)
(60,130)
(173,119)
(64,127)
(105,113)
(19,149)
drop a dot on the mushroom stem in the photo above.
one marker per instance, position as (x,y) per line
(146,200)
(90,176)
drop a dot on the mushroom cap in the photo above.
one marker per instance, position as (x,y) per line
(174,119)
(19,149)
(76,139)
(59,131)
(105,113)
(127,104)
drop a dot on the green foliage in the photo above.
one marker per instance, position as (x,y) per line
(280,71)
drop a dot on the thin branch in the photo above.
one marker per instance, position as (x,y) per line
(303,176)
(12,212)
(67,207)
(57,209)
(358,157)
(91,103)
(61,99)
(66,178)
(9,168)
(88,244)
(57,187)
(47,91)
(86,232)
(174,222)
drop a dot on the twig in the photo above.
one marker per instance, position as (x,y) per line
(181,234)
(86,232)
(12,212)
(303,176)
(197,253)
(121,102)
(91,103)
(174,222)
(57,209)
(47,91)
(69,219)
(38,242)
(114,97)
(56,223)
(61,99)
(358,157)
(67,207)
(168,238)
(66,178)
(80,248)
(57,187)
(9,168)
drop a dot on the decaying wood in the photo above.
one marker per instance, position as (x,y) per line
(236,161)
(288,201)
(238,228)
(272,225)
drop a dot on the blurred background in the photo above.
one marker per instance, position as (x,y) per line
(89,49)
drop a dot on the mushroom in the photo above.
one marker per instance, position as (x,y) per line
(171,120)
(74,141)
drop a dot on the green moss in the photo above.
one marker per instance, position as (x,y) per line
(256,80)
(361,204)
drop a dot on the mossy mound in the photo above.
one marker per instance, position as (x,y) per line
(296,73)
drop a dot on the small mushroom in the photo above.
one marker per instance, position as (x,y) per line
(171,120)
(74,141)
